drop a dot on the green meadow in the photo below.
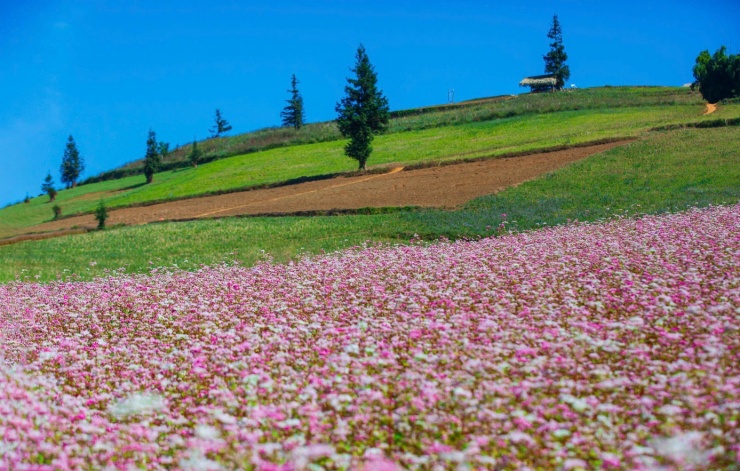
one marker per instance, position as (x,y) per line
(472,139)
(662,171)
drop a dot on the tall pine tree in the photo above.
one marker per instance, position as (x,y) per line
(363,112)
(555,59)
(221,126)
(293,114)
(151,159)
(72,164)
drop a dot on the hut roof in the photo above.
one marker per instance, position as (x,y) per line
(539,81)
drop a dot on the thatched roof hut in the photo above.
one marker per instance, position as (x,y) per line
(539,83)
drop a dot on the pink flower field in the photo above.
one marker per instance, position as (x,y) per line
(597,346)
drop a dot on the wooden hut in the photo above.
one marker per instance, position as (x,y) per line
(539,83)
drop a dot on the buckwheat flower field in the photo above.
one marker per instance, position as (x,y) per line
(598,346)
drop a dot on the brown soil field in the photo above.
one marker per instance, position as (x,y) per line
(443,186)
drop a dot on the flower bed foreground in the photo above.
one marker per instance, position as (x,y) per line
(598,346)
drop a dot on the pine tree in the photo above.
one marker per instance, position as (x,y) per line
(363,112)
(101,214)
(163,148)
(555,59)
(195,154)
(221,125)
(48,187)
(72,164)
(151,159)
(293,114)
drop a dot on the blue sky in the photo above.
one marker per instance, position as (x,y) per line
(107,71)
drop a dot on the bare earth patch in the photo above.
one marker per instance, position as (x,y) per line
(443,186)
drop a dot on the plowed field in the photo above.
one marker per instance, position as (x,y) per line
(444,186)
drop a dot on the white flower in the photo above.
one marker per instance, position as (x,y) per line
(137,404)
(207,432)
(198,462)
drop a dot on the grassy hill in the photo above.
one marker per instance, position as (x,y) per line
(538,122)
(662,171)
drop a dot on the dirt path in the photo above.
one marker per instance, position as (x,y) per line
(710,108)
(444,186)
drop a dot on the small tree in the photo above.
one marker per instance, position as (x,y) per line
(718,75)
(48,187)
(195,154)
(555,59)
(363,112)
(163,148)
(57,210)
(151,159)
(72,164)
(221,125)
(101,214)
(293,114)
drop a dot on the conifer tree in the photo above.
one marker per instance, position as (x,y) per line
(151,159)
(363,112)
(221,126)
(163,148)
(195,154)
(555,59)
(48,187)
(72,164)
(293,114)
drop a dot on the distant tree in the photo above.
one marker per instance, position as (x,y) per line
(221,125)
(293,114)
(48,187)
(101,214)
(363,112)
(163,149)
(195,154)
(57,210)
(718,75)
(72,164)
(555,59)
(151,159)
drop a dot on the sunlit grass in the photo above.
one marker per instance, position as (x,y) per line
(666,171)
(489,138)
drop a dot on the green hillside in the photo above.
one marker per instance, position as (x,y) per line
(537,124)
(664,170)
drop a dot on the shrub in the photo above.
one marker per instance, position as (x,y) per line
(101,214)
(57,211)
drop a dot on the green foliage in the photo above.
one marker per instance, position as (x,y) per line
(555,59)
(151,159)
(293,114)
(163,149)
(101,214)
(195,154)
(220,126)
(72,164)
(48,187)
(664,172)
(364,111)
(718,75)
(57,210)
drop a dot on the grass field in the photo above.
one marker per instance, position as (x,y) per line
(485,109)
(477,139)
(664,171)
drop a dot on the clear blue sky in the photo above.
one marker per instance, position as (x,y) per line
(107,71)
